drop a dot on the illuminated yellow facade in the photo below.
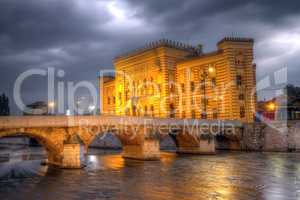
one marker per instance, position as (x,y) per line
(171,79)
(107,89)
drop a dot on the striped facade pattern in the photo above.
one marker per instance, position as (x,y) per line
(167,81)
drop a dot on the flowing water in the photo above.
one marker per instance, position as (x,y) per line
(227,175)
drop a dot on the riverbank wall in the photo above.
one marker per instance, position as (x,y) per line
(270,137)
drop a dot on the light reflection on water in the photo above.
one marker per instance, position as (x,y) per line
(227,175)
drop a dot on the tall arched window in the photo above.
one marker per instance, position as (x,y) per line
(172,111)
(152,111)
(146,111)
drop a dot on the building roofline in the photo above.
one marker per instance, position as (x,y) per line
(107,78)
(160,43)
(204,55)
(236,39)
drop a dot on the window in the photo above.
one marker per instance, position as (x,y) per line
(114,99)
(152,86)
(120,97)
(144,88)
(152,111)
(241,97)
(108,100)
(193,114)
(213,82)
(183,114)
(172,111)
(192,86)
(134,110)
(202,84)
(127,112)
(215,114)
(172,88)
(182,88)
(183,102)
(237,61)
(145,111)
(193,101)
(242,111)
(238,80)
(159,88)
(204,101)
(126,95)
(239,58)
(203,115)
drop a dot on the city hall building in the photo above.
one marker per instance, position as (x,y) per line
(169,79)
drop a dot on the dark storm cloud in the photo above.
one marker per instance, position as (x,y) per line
(82,37)
(184,11)
(31,24)
(273,24)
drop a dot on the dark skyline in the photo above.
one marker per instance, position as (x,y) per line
(82,37)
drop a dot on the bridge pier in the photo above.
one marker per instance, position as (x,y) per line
(73,154)
(141,144)
(148,150)
(73,157)
(53,158)
(188,143)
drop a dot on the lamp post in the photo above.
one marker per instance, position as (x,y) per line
(271,106)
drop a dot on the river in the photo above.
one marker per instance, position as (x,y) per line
(227,175)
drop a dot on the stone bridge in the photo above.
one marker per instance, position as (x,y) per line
(67,138)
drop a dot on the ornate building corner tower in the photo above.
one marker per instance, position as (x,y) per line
(219,84)
(239,55)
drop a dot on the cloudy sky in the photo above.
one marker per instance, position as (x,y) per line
(83,36)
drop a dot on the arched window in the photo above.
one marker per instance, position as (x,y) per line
(152,86)
(193,114)
(182,88)
(146,111)
(215,113)
(172,111)
(134,110)
(144,90)
(152,111)
(183,114)
(242,111)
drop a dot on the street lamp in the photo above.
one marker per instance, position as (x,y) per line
(91,108)
(51,106)
(271,106)
(210,69)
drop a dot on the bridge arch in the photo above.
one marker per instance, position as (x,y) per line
(168,142)
(53,149)
(101,137)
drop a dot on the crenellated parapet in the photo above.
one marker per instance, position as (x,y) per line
(162,43)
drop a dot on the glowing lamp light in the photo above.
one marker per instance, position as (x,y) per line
(271,106)
(120,88)
(51,104)
(210,69)
(68,112)
(92,107)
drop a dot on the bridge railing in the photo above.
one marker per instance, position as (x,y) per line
(71,121)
